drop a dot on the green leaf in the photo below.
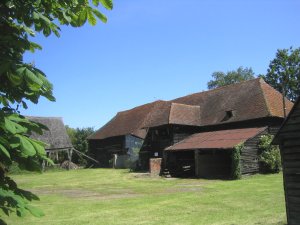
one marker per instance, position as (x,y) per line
(21,212)
(47,160)
(35,211)
(45,19)
(4,151)
(9,125)
(92,20)
(33,81)
(24,105)
(34,46)
(66,17)
(36,16)
(82,17)
(46,31)
(108,4)
(4,101)
(28,31)
(14,142)
(17,78)
(38,146)
(95,2)
(100,15)
(26,146)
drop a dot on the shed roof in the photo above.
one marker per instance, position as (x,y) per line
(56,137)
(224,139)
(247,100)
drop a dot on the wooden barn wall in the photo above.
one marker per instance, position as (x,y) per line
(249,155)
(213,163)
(158,138)
(290,154)
(182,132)
(103,150)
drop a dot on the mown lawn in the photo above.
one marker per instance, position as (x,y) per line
(108,196)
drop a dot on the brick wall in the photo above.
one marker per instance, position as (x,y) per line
(155,166)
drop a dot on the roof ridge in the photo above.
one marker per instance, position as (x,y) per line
(261,81)
(139,106)
(149,114)
(219,88)
(44,117)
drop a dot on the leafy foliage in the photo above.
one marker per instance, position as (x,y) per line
(231,77)
(79,141)
(236,162)
(284,72)
(21,82)
(270,155)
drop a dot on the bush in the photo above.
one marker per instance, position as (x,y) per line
(269,158)
(236,172)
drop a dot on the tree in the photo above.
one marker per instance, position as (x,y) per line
(269,157)
(79,141)
(284,72)
(21,82)
(231,77)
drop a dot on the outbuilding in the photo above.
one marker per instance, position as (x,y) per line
(209,154)
(288,138)
(55,137)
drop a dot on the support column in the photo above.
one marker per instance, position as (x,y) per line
(69,157)
(196,152)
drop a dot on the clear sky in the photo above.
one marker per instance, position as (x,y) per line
(151,50)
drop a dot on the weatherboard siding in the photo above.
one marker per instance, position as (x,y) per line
(250,154)
(289,139)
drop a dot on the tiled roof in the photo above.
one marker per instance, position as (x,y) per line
(237,102)
(247,100)
(173,113)
(127,122)
(224,139)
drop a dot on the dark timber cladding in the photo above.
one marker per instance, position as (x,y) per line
(288,138)
(161,124)
(104,150)
(213,151)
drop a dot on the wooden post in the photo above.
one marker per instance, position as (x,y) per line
(69,158)
(43,165)
(196,162)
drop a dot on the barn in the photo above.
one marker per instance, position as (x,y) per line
(161,124)
(56,137)
(288,138)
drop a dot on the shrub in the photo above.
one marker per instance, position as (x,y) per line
(236,172)
(270,155)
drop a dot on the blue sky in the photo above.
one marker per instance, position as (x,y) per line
(151,50)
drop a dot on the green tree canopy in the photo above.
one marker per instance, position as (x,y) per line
(231,77)
(21,82)
(284,72)
(79,141)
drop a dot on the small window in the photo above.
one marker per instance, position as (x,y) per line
(228,115)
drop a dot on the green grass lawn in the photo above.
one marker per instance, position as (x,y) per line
(108,196)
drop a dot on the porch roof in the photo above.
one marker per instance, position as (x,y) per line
(223,139)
